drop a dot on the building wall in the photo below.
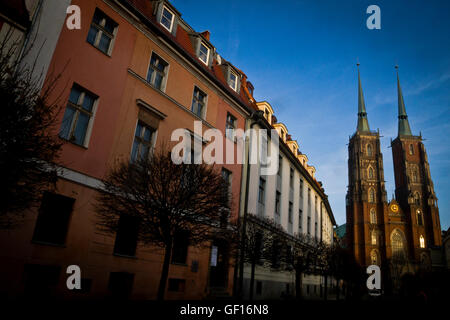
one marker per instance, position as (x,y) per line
(117,80)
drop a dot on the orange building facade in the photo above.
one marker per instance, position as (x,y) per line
(131,75)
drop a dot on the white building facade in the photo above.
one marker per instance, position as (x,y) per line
(293,199)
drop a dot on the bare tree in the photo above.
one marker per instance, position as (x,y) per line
(29,146)
(166,199)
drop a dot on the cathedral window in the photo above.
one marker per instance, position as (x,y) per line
(416,198)
(370,173)
(414,176)
(373,216)
(374,237)
(411,149)
(419,218)
(369,150)
(422,241)
(371,195)
(374,257)
(397,245)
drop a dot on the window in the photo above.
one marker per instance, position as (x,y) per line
(203,54)
(291,178)
(53,220)
(419,218)
(309,196)
(300,220)
(414,176)
(142,142)
(267,115)
(370,174)
(199,102)
(233,81)
(369,150)
(301,188)
(230,126)
(280,167)
(120,284)
(261,193)
(411,149)
(374,257)
(78,115)
(374,237)
(373,216)
(167,19)
(157,71)
(290,212)
(397,244)
(277,202)
(177,285)
(180,247)
(127,236)
(227,177)
(371,195)
(422,241)
(316,233)
(308,226)
(417,199)
(101,33)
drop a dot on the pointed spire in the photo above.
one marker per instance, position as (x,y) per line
(363,123)
(403,124)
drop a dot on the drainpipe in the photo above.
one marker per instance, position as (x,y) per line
(255,118)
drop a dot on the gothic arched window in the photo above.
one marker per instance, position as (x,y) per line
(370,173)
(414,175)
(371,195)
(411,149)
(369,150)
(374,257)
(374,237)
(397,244)
(373,216)
(422,241)
(419,218)
(416,198)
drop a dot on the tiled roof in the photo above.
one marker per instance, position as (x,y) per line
(182,38)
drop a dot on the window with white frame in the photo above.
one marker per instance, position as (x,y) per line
(167,19)
(199,102)
(230,126)
(233,81)
(157,70)
(203,53)
(102,31)
(78,115)
(142,142)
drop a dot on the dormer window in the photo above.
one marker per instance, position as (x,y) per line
(203,53)
(233,81)
(167,19)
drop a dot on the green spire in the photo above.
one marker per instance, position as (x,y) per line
(363,123)
(403,124)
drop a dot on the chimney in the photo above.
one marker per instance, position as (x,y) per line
(205,34)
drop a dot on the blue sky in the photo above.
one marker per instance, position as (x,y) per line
(301,56)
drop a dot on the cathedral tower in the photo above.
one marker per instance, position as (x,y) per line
(414,189)
(366,199)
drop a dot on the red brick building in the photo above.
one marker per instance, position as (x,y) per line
(398,234)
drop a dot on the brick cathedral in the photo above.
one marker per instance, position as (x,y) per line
(398,233)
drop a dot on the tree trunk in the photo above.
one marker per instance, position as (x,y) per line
(165,271)
(252,279)
(298,284)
